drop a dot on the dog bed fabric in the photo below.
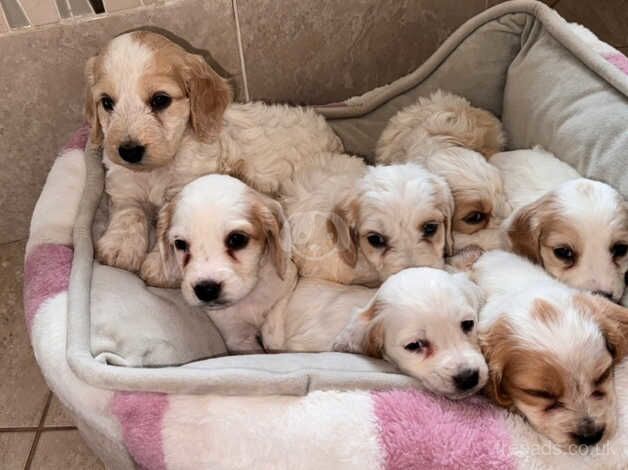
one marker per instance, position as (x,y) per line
(147,378)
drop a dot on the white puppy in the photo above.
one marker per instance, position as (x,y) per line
(574,227)
(355,224)
(423,320)
(164,117)
(452,138)
(228,245)
(551,349)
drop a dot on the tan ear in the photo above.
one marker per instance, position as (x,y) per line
(342,227)
(364,334)
(91,111)
(209,95)
(524,229)
(613,321)
(268,215)
(166,250)
(447,208)
(496,346)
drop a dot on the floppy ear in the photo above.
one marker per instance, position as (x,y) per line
(209,96)
(269,216)
(447,208)
(91,111)
(364,334)
(496,346)
(166,250)
(523,229)
(342,226)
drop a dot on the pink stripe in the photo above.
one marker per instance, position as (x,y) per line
(419,430)
(46,273)
(619,60)
(78,139)
(141,416)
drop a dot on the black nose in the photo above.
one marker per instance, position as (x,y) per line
(207,290)
(589,436)
(131,152)
(467,379)
(603,293)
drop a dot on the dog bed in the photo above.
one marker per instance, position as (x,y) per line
(146,377)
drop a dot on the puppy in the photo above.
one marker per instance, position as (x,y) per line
(451,138)
(422,320)
(576,228)
(355,224)
(551,349)
(228,246)
(163,118)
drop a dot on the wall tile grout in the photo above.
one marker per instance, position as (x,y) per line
(234,6)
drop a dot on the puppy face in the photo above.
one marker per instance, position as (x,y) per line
(480,201)
(579,234)
(399,216)
(552,359)
(217,235)
(144,92)
(424,320)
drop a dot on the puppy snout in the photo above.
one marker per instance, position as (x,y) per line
(603,293)
(131,151)
(207,291)
(588,433)
(467,379)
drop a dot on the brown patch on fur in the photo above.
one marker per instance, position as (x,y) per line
(373,343)
(342,227)
(612,319)
(544,311)
(467,202)
(490,137)
(92,70)
(269,221)
(497,345)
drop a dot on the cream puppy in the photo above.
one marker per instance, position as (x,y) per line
(355,224)
(164,117)
(551,349)
(228,246)
(451,138)
(422,320)
(576,228)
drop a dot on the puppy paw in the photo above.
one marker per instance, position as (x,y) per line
(121,251)
(153,274)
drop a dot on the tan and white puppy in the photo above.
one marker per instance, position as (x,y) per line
(551,349)
(422,320)
(164,117)
(452,138)
(227,243)
(355,224)
(576,228)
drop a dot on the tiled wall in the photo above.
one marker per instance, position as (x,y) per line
(299,51)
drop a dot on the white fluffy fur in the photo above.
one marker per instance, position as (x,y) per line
(573,334)
(451,138)
(555,207)
(262,144)
(335,202)
(415,304)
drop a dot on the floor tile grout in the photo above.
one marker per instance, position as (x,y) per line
(42,420)
(35,429)
(13,242)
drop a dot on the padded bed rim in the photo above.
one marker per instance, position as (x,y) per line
(254,380)
(553,23)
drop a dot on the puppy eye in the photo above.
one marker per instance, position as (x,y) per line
(107,103)
(160,101)
(430,228)
(181,245)
(619,249)
(475,218)
(554,406)
(376,240)
(467,325)
(237,240)
(598,394)
(416,346)
(564,253)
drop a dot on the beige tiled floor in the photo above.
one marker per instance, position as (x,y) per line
(35,430)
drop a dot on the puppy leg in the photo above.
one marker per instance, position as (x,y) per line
(153,274)
(125,241)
